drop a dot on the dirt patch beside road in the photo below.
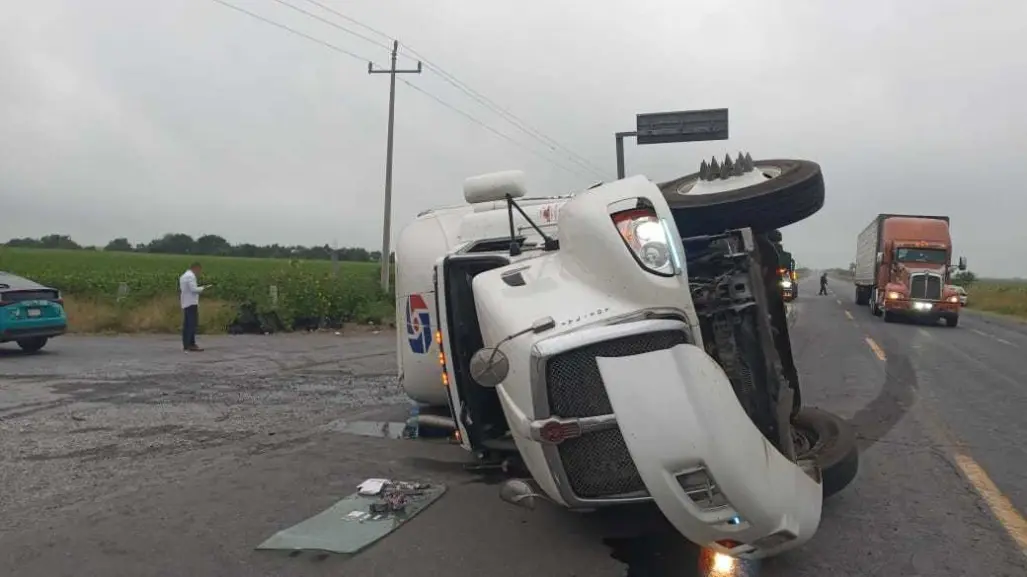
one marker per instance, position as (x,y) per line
(92,412)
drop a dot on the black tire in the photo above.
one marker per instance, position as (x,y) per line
(833,447)
(32,345)
(888,317)
(862,296)
(793,195)
(951,321)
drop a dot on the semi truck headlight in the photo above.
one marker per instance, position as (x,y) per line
(648,238)
(953,299)
(786,284)
(894,296)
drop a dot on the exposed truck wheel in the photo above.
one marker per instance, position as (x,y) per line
(762,195)
(888,317)
(32,345)
(831,442)
(951,321)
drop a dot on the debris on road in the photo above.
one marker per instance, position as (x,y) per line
(358,521)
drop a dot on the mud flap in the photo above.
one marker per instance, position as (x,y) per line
(682,422)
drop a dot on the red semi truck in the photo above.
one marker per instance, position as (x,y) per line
(903,267)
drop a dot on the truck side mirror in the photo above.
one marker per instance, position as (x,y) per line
(489,367)
(962,263)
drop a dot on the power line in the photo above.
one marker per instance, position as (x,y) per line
(426,93)
(463,87)
(507,115)
(351,19)
(491,129)
(333,24)
(293,31)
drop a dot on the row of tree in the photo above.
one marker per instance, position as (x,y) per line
(207,245)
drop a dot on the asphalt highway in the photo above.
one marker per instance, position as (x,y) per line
(125,457)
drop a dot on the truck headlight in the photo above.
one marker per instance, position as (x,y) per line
(648,238)
(786,284)
(894,296)
(953,299)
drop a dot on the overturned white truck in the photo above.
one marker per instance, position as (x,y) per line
(628,344)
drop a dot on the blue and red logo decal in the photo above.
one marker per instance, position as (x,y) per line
(418,324)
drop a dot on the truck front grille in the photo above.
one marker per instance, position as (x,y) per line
(598,464)
(925,286)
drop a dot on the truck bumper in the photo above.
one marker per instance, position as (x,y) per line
(927,310)
(684,438)
(48,330)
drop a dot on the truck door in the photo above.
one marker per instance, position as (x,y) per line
(477,410)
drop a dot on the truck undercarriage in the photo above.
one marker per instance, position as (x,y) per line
(744,327)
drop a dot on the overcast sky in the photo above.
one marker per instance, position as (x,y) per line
(138,117)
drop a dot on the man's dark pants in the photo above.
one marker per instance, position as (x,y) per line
(190,320)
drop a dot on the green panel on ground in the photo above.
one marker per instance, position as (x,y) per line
(339,528)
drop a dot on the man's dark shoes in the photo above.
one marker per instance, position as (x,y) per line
(193,349)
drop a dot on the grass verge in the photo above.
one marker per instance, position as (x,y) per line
(1008,299)
(164,315)
(156,315)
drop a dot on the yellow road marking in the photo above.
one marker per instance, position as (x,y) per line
(877,349)
(1001,507)
(848,314)
(1011,519)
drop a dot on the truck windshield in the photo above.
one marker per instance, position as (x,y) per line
(922,255)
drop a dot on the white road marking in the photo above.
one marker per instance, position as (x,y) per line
(991,336)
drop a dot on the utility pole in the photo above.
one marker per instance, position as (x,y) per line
(387,221)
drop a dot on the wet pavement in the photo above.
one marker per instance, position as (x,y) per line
(123,456)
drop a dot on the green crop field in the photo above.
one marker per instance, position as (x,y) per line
(305,288)
(1005,297)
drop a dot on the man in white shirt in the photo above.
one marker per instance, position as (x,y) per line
(189,295)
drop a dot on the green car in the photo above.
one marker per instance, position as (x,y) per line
(30,313)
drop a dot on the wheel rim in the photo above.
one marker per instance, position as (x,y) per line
(807,442)
(715,178)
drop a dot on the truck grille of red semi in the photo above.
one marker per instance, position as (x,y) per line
(598,464)
(925,286)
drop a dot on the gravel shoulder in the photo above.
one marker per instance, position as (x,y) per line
(124,456)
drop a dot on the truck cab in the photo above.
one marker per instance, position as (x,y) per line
(903,269)
(466,233)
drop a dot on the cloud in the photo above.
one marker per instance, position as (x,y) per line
(138,118)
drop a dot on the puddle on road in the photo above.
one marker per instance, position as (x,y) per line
(379,429)
(388,429)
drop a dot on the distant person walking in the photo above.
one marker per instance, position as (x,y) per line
(189,295)
(823,284)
